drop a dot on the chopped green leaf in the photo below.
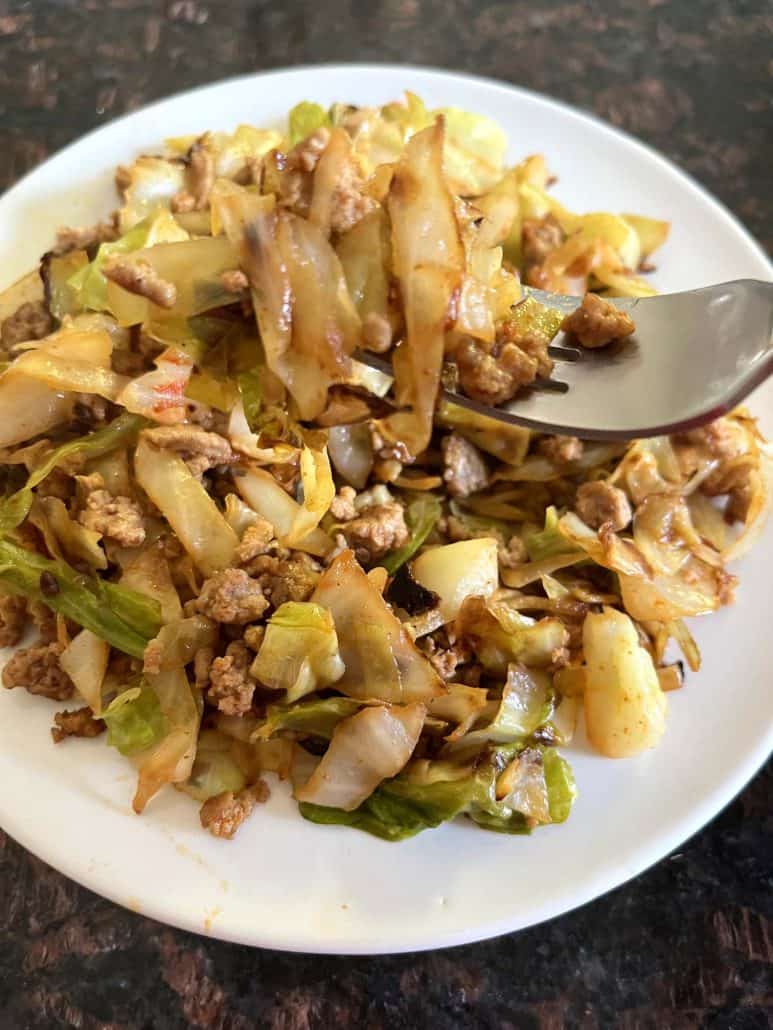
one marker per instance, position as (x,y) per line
(421,516)
(125,618)
(304,119)
(251,392)
(134,720)
(548,542)
(317,718)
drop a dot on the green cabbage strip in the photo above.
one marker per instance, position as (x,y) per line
(88,284)
(251,393)
(124,618)
(548,542)
(122,432)
(304,119)
(135,721)
(421,516)
(399,808)
(317,718)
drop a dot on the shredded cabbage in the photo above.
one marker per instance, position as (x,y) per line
(299,653)
(380,658)
(124,618)
(134,720)
(365,749)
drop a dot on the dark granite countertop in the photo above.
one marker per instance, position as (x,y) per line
(688,944)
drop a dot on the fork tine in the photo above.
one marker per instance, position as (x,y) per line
(561,352)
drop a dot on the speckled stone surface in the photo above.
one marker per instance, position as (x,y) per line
(689,944)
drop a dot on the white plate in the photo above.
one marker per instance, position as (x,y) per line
(285,883)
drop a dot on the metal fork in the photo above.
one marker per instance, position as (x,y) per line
(694,356)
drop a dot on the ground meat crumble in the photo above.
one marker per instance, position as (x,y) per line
(596,322)
(539,238)
(31,321)
(375,530)
(231,686)
(13,620)
(465,470)
(140,277)
(223,814)
(292,578)
(231,596)
(255,541)
(561,450)
(200,449)
(496,376)
(37,669)
(598,503)
(117,518)
(78,723)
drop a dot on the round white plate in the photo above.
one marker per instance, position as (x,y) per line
(283,882)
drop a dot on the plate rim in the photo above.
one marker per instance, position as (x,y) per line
(708,808)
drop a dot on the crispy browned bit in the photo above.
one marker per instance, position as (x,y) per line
(465,470)
(37,669)
(599,503)
(78,723)
(117,518)
(140,277)
(231,686)
(223,814)
(596,322)
(234,280)
(31,321)
(561,450)
(494,378)
(69,239)
(255,541)
(200,449)
(231,596)
(376,333)
(13,619)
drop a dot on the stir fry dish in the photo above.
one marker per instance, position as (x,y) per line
(245,551)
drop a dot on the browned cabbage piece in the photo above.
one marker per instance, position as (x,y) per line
(307,320)
(429,263)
